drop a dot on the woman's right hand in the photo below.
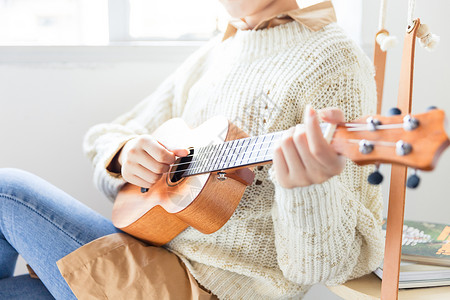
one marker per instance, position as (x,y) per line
(143,160)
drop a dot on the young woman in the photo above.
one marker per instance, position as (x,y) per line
(309,217)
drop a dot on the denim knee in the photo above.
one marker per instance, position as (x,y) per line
(15,182)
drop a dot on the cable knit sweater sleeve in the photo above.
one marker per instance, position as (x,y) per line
(329,232)
(103,141)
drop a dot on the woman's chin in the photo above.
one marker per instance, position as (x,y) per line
(236,8)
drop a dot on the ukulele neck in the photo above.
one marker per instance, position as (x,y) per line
(244,152)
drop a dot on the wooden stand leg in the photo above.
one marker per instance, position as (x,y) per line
(394,226)
(393,247)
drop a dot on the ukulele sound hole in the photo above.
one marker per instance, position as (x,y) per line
(180,166)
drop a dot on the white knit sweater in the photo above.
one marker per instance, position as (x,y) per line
(279,241)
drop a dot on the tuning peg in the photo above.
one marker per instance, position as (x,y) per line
(394,111)
(376,177)
(431,108)
(413,181)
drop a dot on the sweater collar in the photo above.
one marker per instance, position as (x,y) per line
(313,17)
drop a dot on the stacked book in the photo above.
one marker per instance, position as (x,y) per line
(425,255)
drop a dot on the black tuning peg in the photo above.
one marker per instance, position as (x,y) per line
(394,111)
(413,181)
(431,107)
(375,178)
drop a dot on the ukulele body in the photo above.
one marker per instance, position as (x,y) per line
(201,201)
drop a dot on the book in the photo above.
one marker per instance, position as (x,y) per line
(425,242)
(425,260)
(414,274)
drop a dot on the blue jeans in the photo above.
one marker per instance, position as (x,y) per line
(43,224)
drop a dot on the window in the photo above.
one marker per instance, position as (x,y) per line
(176,19)
(102,22)
(50,22)
(98,22)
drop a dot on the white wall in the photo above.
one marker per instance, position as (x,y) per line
(50,97)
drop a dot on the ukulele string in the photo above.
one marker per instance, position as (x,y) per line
(355,141)
(227,142)
(223,156)
(353,127)
(367,127)
(234,148)
(363,127)
(273,133)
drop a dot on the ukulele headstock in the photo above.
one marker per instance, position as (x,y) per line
(412,140)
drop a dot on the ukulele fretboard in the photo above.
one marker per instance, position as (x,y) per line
(236,153)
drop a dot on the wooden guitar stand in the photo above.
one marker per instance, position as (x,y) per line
(368,287)
(396,209)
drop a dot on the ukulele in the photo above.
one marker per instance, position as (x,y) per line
(203,189)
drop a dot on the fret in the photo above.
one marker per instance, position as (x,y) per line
(209,157)
(253,151)
(221,156)
(238,151)
(232,156)
(209,152)
(224,158)
(201,159)
(248,151)
(261,146)
(198,163)
(275,137)
(242,150)
(218,155)
(213,157)
(269,147)
(227,155)
(244,146)
(238,148)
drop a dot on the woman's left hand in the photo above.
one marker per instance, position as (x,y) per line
(303,156)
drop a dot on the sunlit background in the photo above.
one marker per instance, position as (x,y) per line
(86,22)
(101,22)
(62,22)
